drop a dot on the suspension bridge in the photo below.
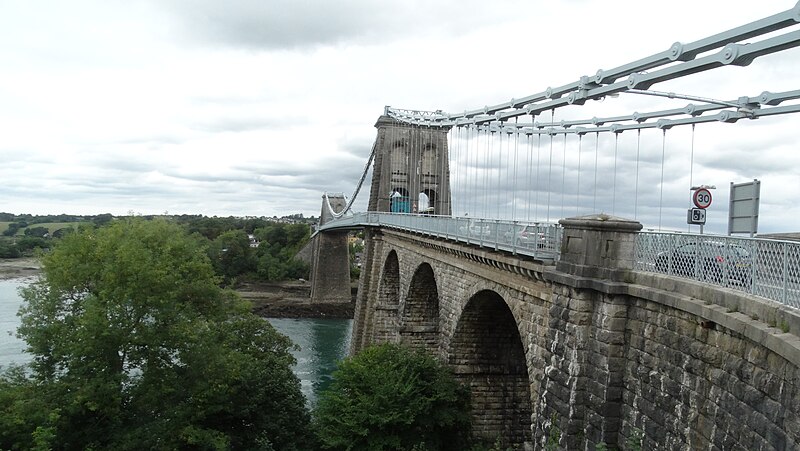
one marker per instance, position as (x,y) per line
(507,240)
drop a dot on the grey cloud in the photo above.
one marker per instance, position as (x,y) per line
(277,24)
(152,140)
(248,123)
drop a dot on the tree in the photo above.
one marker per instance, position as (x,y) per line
(389,397)
(14,227)
(232,254)
(136,347)
(9,250)
(38,232)
(102,219)
(29,243)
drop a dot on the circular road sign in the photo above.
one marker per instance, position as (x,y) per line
(702,198)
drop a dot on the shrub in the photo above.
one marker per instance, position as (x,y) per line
(389,397)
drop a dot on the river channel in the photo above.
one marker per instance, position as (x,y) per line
(322,342)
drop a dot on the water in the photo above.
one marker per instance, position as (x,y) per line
(12,349)
(323,342)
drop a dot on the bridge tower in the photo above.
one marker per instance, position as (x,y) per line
(410,160)
(330,261)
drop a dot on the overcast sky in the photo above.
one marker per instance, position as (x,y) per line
(256,107)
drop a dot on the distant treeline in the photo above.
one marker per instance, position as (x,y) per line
(240,248)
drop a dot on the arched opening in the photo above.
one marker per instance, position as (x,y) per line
(385,319)
(420,326)
(399,159)
(486,354)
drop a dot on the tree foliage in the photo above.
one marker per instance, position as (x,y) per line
(39,232)
(389,397)
(232,255)
(136,347)
(279,243)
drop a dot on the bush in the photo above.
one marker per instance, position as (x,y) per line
(389,397)
(9,250)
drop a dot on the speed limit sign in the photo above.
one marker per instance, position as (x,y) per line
(702,198)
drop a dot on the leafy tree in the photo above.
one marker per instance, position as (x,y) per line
(29,243)
(232,255)
(102,219)
(136,347)
(279,245)
(210,228)
(389,397)
(354,249)
(62,231)
(14,227)
(9,250)
(39,232)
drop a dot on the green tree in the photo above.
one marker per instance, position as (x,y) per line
(232,254)
(279,244)
(39,232)
(11,230)
(389,397)
(9,250)
(135,346)
(29,243)
(102,219)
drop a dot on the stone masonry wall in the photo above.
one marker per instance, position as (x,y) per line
(692,384)
(627,359)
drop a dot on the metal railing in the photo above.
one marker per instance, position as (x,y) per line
(766,268)
(539,240)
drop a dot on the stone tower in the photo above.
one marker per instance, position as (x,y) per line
(410,160)
(330,261)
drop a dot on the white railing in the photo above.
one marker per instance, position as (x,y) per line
(767,268)
(539,240)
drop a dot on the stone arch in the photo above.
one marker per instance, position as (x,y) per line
(420,318)
(385,322)
(487,355)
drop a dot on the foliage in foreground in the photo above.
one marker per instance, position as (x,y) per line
(136,347)
(389,397)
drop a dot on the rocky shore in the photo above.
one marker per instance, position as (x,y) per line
(291,299)
(18,268)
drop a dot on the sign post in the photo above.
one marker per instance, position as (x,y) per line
(696,216)
(743,208)
(701,197)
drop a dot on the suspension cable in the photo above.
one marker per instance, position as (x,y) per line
(661,195)
(578,189)
(563,174)
(514,184)
(636,188)
(614,177)
(596,153)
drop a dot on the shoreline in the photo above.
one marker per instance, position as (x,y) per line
(286,299)
(291,299)
(19,268)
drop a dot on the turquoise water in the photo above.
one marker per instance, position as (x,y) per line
(322,342)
